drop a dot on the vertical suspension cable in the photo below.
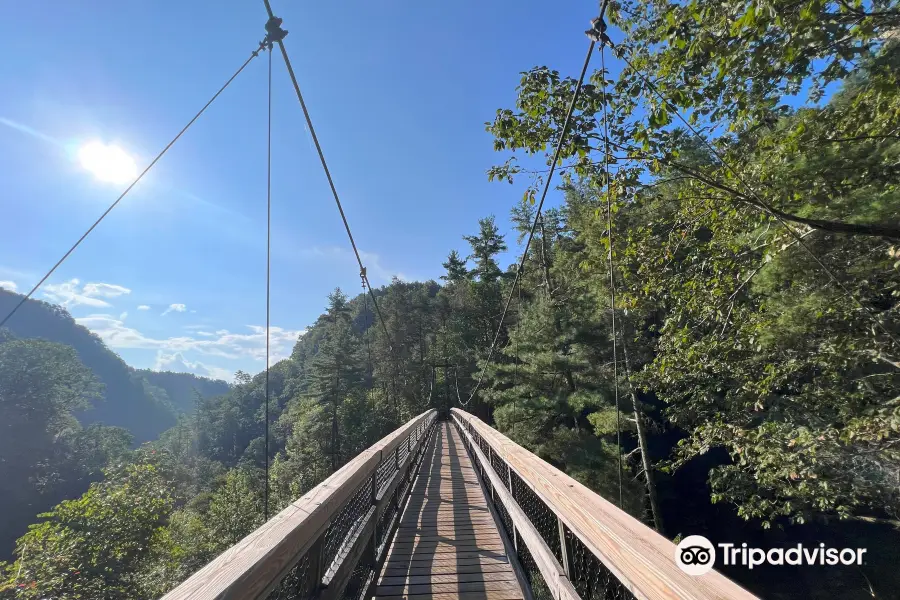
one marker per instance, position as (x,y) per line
(366,327)
(612,279)
(268,266)
(516,368)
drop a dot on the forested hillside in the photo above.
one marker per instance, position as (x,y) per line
(182,388)
(142,401)
(751,393)
(68,407)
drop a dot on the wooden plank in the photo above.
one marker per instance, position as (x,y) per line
(472,522)
(477,505)
(447,545)
(447,568)
(445,560)
(471,538)
(447,529)
(453,516)
(427,550)
(443,521)
(254,565)
(487,595)
(439,588)
(506,575)
(637,556)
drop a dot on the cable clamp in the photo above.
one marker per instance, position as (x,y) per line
(362,275)
(274,32)
(597,32)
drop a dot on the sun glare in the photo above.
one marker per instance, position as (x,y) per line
(107,162)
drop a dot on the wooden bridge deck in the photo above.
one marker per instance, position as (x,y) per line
(447,545)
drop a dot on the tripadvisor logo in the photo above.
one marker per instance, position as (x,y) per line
(696,555)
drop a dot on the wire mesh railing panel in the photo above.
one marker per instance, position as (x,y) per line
(386,520)
(298,584)
(500,468)
(505,519)
(346,520)
(539,588)
(386,468)
(403,450)
(590,577)
(488,488)
(540,515)
(360,579)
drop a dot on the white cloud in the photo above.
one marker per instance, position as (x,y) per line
(377,272)
(30,131)
(90,294)
(105,290)
(174,308)
(9,285)
(123,316)
(223,343)
(205,333)
(143,307)
(176,362)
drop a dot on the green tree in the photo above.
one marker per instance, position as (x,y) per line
(90,547)
(456,268)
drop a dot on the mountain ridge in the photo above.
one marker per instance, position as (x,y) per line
(143,401)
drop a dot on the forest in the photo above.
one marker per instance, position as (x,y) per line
(747,255)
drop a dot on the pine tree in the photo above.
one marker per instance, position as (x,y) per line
(485,248)
(456,268)
(338,368)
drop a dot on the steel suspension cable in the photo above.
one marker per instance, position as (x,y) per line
(516,371)
(334,193)
(65,256)
(537,216)
(612,278)
(756,196)
(268,264)
(366,328)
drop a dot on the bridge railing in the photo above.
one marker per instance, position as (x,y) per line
(571,543)
(329,543)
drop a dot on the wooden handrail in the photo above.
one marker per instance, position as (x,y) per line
(255,565)
(639,557)
(554,575)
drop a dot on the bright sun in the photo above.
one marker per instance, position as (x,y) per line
(107,162)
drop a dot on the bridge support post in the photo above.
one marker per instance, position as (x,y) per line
(565,549)
(316,566)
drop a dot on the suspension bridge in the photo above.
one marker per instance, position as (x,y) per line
(444,507)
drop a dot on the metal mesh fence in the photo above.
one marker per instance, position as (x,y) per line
(539,588)
(386,468)
(505,519)
(591,578)
(360,578)
(298,584)
(540,515)
(346,521)
(500,468)
(387,519)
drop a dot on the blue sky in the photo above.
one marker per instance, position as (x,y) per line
(174,277)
